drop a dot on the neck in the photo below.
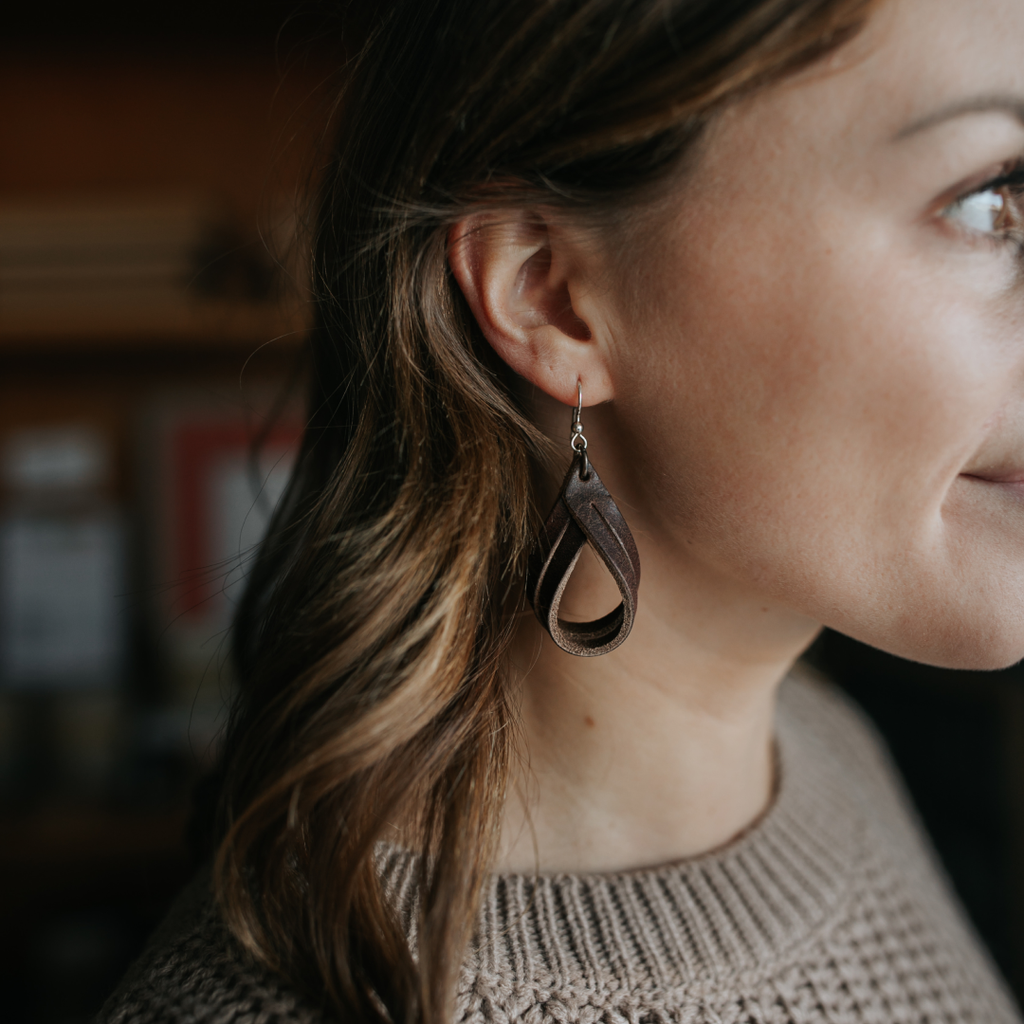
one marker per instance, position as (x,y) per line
(661,749)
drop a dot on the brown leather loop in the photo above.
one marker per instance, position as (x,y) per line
(584,512)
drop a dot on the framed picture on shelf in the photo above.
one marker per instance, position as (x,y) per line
(216,473)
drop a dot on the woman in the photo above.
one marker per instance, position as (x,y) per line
(772,248)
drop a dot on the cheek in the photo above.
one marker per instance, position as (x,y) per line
(817,420)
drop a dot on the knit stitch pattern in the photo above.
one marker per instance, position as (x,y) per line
(831,908)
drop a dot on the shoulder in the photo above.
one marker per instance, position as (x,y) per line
(194,971)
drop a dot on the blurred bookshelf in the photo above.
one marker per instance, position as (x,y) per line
(109,273)
(150,322)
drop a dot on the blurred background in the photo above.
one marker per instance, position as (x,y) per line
(153,163)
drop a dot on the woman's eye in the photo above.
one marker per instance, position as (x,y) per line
(990,210)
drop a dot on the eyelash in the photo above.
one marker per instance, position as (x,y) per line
(1010,183)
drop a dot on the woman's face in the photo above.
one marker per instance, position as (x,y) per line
(820,378)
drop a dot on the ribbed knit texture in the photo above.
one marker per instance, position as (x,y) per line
(829,909)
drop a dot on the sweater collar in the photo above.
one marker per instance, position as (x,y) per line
(741,906)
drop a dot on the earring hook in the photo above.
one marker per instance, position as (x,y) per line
(577,441)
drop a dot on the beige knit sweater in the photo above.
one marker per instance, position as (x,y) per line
(830,909)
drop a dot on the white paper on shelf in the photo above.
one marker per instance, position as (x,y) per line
(61,594)
(241,504)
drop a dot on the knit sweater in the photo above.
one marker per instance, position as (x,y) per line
(831,908)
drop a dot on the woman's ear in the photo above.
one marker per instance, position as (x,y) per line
(520,275)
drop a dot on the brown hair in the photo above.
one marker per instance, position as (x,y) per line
(370,642)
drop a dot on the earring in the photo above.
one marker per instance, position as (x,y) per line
(584,512)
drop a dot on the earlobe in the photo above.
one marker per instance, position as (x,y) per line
(519,275)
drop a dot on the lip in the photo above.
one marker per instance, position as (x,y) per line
(1013,477)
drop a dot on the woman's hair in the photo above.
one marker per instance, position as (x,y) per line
(370,644)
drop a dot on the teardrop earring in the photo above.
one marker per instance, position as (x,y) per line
(583,512)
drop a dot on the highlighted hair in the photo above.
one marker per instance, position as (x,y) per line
(370,644)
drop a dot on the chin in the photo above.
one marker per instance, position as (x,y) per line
(989,660)
(982,644)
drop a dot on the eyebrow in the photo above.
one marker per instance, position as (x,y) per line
(1013,105)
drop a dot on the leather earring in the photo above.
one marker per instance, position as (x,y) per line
(583,512)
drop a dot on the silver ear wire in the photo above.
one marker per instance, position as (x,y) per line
(577,442)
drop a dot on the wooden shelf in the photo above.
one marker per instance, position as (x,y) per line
(195,324)
(57,837)
(59,856)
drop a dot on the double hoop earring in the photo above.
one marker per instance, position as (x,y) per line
(584,512)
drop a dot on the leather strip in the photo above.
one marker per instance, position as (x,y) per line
(585,511)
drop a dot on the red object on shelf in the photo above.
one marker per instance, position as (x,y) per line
(212,463)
